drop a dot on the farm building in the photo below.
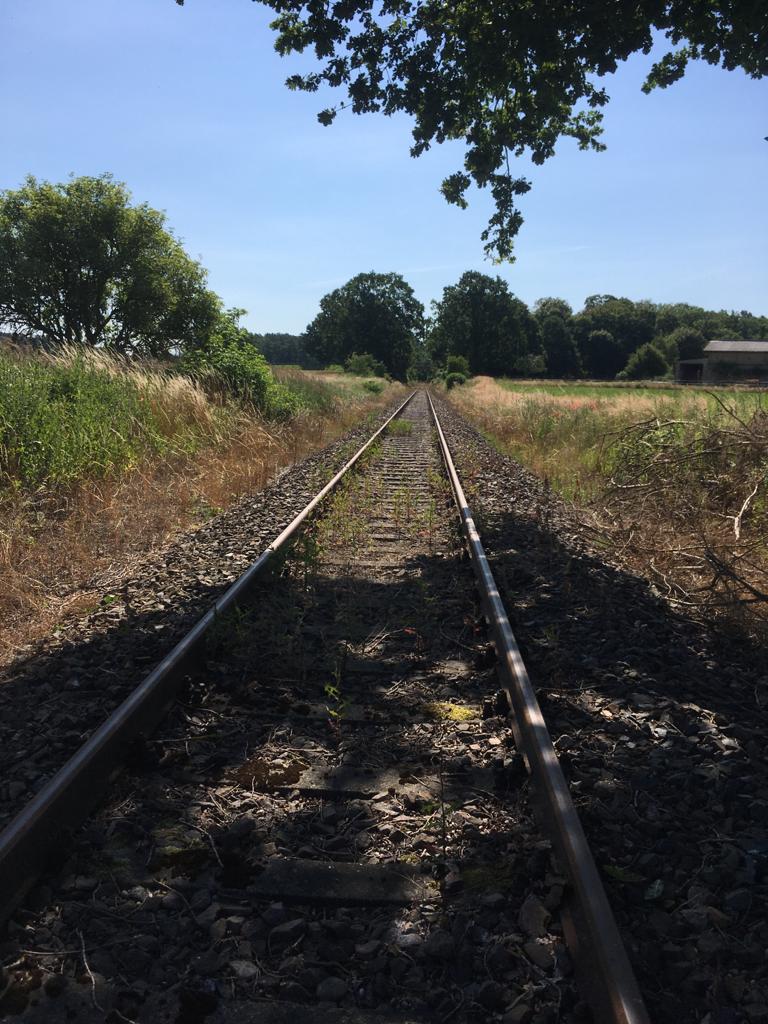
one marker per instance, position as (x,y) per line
(727,362)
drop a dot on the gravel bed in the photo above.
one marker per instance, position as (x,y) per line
(59,690)
(347,724)
(660,725)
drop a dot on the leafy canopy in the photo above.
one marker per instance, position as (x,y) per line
(508,78)
(372,313)
(480,319)
(601,356)
(79,264)
(563,359)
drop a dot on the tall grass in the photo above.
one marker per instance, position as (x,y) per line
(571,435)
(678,485)
(75,416)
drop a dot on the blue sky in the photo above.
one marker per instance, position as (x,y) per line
(188,106)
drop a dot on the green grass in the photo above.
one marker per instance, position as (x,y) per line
(62,422)
(320,390)
(739,399)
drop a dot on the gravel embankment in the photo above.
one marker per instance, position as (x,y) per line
(661,728)
(53,696)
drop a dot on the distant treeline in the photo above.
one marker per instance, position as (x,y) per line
(479,320)
(285,349)
(136,292)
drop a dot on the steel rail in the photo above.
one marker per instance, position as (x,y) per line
(601,961)
(67,798)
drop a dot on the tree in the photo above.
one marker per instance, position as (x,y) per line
(480,319)
(509,79)
(647,362)
(422,367)
(364,365)
(559,348)
(630,323)
(374,313)
(685,343)
(228,362)
(543,308)
(80,264)
(600,355)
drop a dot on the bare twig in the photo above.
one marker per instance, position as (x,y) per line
(737,519)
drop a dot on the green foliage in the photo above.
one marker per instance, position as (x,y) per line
(374,386)
(479,319)
(422,366)
(509,81)
(559,347)
(285,350)
(80,265)
(229,364)
(710,323)
(61,423)
(375,313)
(453,380)
(685,343)
(645,364)
(364,365)
(457,364)
(600,355)
(533,364)
(543,308)
(630,324)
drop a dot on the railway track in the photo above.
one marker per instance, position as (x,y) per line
(334,822)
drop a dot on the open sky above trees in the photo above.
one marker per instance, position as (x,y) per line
(281,210)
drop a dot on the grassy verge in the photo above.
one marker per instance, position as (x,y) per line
(102,461)
(674,483)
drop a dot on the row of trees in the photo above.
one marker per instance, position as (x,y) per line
(480,320)
(80,264)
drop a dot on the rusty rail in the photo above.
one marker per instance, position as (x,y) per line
(601,961)
(66,799)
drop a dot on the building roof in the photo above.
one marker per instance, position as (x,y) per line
(737,346)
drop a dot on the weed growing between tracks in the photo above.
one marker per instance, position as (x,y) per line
(672,485)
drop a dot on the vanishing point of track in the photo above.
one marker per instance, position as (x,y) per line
(359,726)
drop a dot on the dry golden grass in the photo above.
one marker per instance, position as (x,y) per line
(674,488)
(60,551)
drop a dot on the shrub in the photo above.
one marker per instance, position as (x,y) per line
(374,386)
(229,365)
(56,425)
(237,371)
(454,379)
(645,363)
(457,364)
(364,365)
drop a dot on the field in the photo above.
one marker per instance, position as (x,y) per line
(673,479)
(101,461)
(568,433)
